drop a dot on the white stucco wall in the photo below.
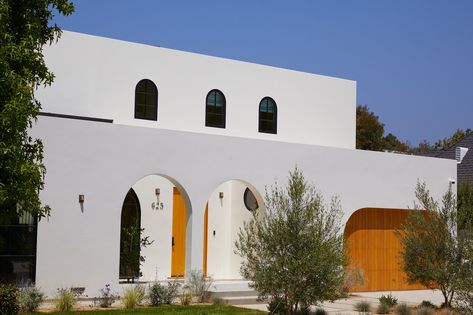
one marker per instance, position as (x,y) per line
(80,247)
(96,77)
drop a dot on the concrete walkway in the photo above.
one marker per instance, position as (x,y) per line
(346,306)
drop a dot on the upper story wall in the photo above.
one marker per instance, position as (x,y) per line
(96,77)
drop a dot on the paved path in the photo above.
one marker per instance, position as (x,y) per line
(346,306)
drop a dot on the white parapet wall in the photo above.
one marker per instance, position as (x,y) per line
(96,77)
(79,245)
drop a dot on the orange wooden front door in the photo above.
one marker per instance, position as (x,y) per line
(373,246)
(206,229)
(178,256)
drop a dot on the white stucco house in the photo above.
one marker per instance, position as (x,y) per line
(184,144)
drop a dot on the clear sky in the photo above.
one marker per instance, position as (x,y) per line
(412,59)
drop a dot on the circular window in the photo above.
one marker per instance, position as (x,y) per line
(250,200)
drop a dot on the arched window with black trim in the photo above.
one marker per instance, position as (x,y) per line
(146,100)
(130,234)
(268,116)
(215,109)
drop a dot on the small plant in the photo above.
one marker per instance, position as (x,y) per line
(107,298)
(320,311)
(156,294)
(363,307)
(30,299)
(186,298)
(277,306)
(172,291)
(133,296)
(424,310)
(428,304)
(303,310)
(388,300)
(403,309)
(383,309)
(217,300)
(199,285)
(9,299)
(65,300)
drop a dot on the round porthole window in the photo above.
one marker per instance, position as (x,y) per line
(250,200)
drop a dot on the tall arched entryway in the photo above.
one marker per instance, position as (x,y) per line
(159,205)
(228,207)
(130,227)
(373,246)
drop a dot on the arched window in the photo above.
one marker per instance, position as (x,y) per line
(130,230)
(146,100)
(215,109)
(268,116)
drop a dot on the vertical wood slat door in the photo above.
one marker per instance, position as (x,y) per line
(206,229)
(373,246)
(178,256)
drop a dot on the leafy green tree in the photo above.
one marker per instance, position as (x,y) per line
(433,253)
(25,27)
(294,252)
(392,143)
(369,130)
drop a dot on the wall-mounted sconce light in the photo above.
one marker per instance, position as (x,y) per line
(81,198)
(451,181)
(158,205)
(220,195)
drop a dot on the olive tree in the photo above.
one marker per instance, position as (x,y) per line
(434,253)
(294,252)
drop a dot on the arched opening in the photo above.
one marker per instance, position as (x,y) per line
(228,207)
(268,116)
(162,208)
(373,246)
(130,233)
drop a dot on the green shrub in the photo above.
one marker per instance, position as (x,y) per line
(320,311)
(172,291)
(198,285)
(217,300)
(383,309)
(186,298)
(156,294)
(403,309)
(363,306)
(388,300)
(133,296)
(278,306)
(428,304)
(303,310)
(65,300)
(9,304)
(30,299)
(424,310)
(107,298)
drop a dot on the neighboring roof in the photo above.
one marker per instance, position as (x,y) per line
(465,168)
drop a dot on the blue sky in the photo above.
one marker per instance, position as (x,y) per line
(412,59)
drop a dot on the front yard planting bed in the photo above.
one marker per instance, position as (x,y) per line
(166,309)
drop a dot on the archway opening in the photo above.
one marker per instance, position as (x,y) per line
(372,245)
(159,207)
(228,207)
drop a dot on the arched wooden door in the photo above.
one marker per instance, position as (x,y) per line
(178,255)
(373,246)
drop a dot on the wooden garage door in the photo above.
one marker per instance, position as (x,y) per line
(373,246)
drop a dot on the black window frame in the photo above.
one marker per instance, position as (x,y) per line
(208,122)
(274,121)
(154,117)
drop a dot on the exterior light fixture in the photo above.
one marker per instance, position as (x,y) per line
(81,198)
(157,191)
(220,195)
